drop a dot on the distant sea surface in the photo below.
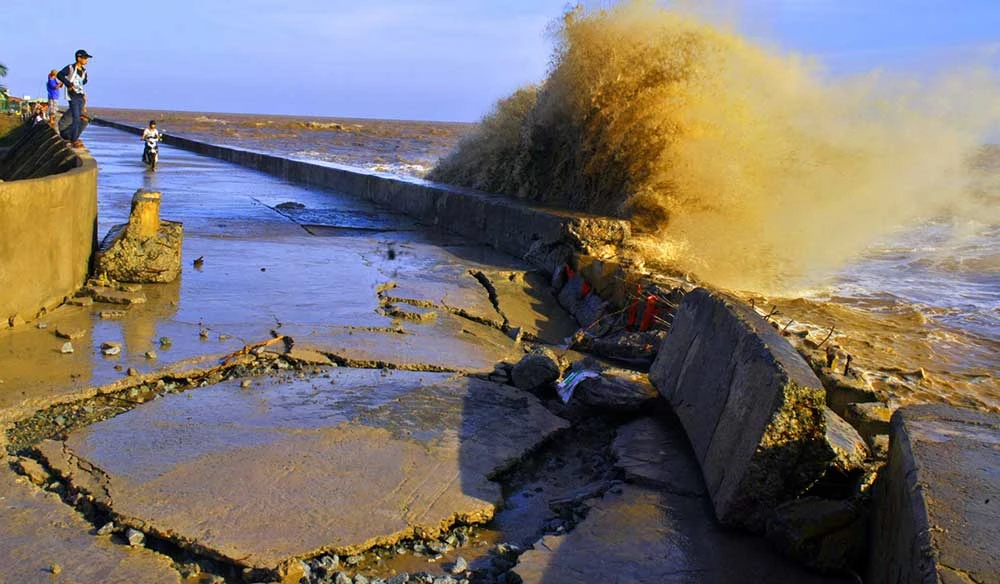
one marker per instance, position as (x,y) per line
(920,309)
(403,147)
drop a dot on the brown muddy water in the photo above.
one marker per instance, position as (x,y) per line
(397,146)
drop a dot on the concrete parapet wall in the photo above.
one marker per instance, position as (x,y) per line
(937,504)
(754,411)
(545,237)
(48,234)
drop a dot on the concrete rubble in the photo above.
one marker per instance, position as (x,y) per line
(146,249)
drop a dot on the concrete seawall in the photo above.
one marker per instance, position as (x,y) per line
(545,237)
(48,233)
(776,459)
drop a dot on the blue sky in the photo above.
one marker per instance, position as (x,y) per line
(435,59)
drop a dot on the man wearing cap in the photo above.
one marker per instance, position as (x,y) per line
(74,77)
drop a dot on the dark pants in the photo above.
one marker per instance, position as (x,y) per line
(75,111)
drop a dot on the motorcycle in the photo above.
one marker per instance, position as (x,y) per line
(151,152)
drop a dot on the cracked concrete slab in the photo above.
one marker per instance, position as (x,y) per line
(643,535)
(656,454)
(43,536)
(290,468)
(446,343)
(526,300)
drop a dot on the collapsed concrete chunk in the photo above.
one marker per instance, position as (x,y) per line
(752,408)
(821,533)
(536,369)
(937,503)
(146,249)
(618,390)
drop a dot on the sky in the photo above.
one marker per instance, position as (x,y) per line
(446,60)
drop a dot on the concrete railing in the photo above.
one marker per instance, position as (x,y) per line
(48,229)
(545,237)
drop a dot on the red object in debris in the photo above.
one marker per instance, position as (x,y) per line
(632,313)
(569,272)
(648,313)
(585,289)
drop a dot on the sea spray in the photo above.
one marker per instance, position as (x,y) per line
(743,165)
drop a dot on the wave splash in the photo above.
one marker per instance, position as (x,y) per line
(745,166)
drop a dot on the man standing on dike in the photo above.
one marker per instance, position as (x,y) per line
(74,77)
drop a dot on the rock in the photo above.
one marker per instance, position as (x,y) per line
(460,566)
(111,314)
(823,534)
(361,579)
(849,448)
(936,504)
(110,295)
(627,346)
(589,311)
(55,569)
(132,371)
(70,333)
(165,342)
(145,249)
(617,390)
(399,578)
(203,333)
(753,410)
(880,446)
(245,384)
(870,418)
(135,537)
(151,355)
(106,529)
(82,301)
(292,571)
(66,348)
(536,369)
(111,348)
(573,293)
(42,325)
(329,563)
(31,469)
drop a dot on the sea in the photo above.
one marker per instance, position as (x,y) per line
(919,310)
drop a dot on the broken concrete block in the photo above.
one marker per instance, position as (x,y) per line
(110,295)
(936,512)
(635,347)
(146,249)
(654,452)
(870,418)
(821,533)
(536,369)
(753,409)
(619,390)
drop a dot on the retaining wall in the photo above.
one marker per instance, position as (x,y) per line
(48,234)
(545,237)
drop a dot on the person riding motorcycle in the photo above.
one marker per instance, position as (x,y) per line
(151,136)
